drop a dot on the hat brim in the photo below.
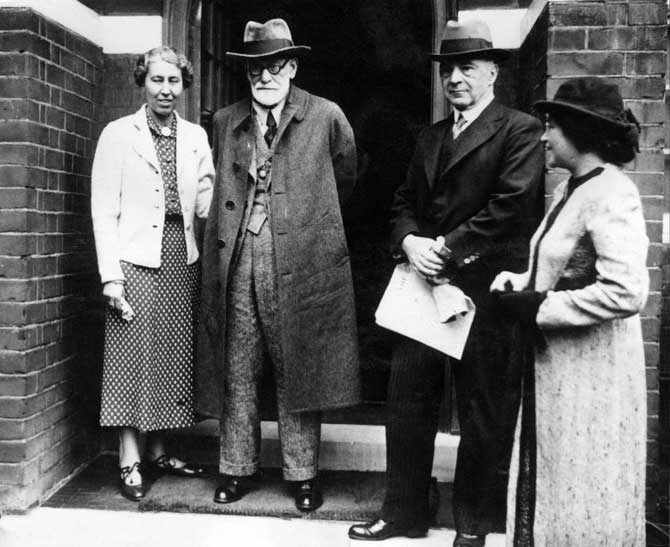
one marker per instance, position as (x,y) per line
(293,51)
(549,105)
(495,54)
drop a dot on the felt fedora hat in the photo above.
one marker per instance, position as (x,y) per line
(470,38)
(268,39)
(594,97)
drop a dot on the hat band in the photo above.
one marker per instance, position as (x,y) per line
(462,45)
(601,110)
(262,47)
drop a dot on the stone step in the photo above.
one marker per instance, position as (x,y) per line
(344,447)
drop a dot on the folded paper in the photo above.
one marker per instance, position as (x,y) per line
(438,316)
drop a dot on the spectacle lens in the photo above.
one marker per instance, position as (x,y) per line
(274,68)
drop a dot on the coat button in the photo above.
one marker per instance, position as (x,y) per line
(220,243)
(230,205)
(236,166)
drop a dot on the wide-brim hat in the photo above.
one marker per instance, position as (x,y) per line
(469,39)
(591,96)
(268,39)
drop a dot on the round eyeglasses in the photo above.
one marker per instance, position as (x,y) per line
(256,68)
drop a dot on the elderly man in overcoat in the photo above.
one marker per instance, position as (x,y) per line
(465,212)
(277,281)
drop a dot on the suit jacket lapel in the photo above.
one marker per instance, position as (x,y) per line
(434,149)
(479,131)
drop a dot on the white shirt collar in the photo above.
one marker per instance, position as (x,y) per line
(473,113)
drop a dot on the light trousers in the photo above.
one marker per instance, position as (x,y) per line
(253,335)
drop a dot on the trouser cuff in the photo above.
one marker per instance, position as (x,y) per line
(237,469)
(300,473)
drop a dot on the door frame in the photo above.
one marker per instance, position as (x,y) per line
(178,17)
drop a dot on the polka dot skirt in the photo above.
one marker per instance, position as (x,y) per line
(148,362)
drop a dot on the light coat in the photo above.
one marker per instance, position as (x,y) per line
(590,386)
(313,169)
(128,196)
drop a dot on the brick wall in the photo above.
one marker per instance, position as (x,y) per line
(50,334)
(664,368)
(626,43)
(120,95)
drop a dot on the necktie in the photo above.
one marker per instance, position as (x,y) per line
(271,130)
(458,126)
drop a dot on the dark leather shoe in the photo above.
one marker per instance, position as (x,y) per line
(378,530)
(229,489)
(462,541)
(132,492)
(307,495)
(167,464)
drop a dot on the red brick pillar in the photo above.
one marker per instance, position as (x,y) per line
(626,43)
(49,311)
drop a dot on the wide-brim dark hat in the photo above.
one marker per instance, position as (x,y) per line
(268,40)
(470,39)
(591,96)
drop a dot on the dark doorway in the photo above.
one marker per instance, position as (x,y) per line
(369,56)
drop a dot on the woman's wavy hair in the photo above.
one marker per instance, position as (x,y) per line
(613,143)
(167,54)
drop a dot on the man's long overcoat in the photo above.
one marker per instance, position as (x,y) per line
(313,170)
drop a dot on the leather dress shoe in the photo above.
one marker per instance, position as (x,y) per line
(307,495)
(132,492)
(378,530)
(469,541)
(167,464)
(229,489)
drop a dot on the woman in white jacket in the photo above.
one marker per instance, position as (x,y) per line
(578,469)
(152,174)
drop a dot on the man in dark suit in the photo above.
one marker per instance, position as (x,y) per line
(474,180)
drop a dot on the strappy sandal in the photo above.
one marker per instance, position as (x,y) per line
(132,492)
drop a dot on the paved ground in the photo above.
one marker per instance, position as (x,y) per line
(51,527)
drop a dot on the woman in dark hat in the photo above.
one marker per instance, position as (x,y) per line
(578,468)
(152,174)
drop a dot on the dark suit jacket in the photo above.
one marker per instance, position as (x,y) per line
(486,199)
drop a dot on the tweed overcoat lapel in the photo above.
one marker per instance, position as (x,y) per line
(243,144)
(295,107)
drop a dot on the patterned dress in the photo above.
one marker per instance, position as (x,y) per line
(148,362)
(588,446)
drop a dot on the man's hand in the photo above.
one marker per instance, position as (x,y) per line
(422,255)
